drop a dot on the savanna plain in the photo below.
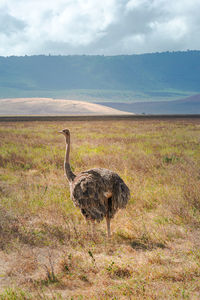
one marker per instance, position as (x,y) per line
(48,251)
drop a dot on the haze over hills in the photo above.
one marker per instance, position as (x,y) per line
(189,105)
(123,78)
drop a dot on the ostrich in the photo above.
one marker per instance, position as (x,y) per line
(97,192)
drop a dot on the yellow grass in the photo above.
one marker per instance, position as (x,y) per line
(47,250)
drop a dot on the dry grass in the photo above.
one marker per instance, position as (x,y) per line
(46,248)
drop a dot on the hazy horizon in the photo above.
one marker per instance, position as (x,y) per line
(145,53)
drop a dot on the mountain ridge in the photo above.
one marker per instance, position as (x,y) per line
(166,75)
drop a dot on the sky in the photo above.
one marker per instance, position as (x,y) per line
(106,27)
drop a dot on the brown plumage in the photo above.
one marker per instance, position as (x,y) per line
(97,192)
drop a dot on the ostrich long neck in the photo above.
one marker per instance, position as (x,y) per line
(68,172)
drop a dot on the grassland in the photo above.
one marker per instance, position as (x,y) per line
(46,248)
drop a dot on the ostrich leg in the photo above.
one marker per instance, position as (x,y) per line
(108,226)
(93,228)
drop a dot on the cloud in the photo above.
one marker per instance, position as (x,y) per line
(98,27)
(10,24)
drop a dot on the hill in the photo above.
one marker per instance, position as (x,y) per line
(189,105)
(47,106)
(120,78)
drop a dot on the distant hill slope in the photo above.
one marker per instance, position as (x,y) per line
(47,106)
(189,105)
(156,75)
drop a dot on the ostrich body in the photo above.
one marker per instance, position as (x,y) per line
(97,192)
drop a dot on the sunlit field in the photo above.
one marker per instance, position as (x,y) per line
(47,250)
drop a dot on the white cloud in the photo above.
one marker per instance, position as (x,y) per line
(175,28)
(98,27)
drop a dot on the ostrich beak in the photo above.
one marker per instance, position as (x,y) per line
(60,131)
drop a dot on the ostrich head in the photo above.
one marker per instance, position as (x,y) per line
(66,133)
